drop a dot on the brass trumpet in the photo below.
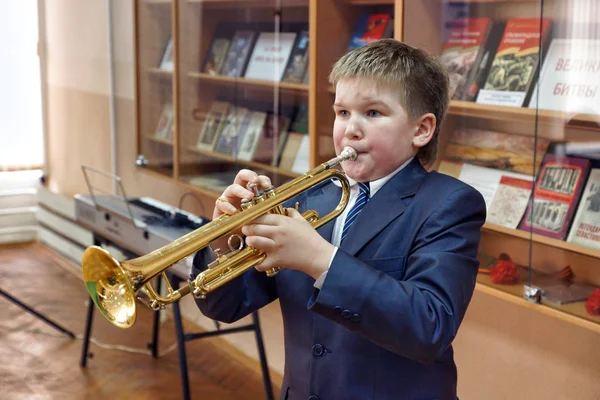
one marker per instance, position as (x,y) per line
(114,286)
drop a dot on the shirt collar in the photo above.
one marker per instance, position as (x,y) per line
(375,185)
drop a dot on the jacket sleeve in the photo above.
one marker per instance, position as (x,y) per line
(242,295)
(416,317)
(237,298)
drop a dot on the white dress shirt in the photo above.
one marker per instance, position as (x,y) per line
(338,226)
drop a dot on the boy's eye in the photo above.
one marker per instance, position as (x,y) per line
(343,113)
(373,113)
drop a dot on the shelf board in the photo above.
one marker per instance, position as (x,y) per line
(537,238)
(160,72)
(159,140)
(492,1)
(521,115)
(159,2)
(574,313)
(266,85)
(524,115)
(370,2)
(248,3)
(252,164)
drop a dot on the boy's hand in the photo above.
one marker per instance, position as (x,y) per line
(230,201)
(290,242)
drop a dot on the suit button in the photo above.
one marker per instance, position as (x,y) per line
(318,350)
(355,318)
(313,397)
(337,310)
(346,314)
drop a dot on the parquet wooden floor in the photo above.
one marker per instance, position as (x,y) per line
(38,362)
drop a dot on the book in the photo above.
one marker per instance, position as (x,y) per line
(570,78)
(557,191)
(462,50)
(565,293)
(165,122)
(252,135)
(216,55)
(166,62)
(486,180)
(267,148)
(302,160)
(509,202)
(300,121)
(492,149)
(298,63)
(213,124)
(270,56)
(482,65)
(509,81)
(230,138)
(369,28)
(238,53)
(585,229)
(290,150)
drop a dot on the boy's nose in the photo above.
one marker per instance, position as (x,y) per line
(353,131)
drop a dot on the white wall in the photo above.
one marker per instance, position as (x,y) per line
(21,132)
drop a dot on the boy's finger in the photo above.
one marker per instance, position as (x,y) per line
(244,176)
(235,192)
(292,212)
(265,181)
(225,207)
(267,231)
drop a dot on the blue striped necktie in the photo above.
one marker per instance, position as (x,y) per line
(361,200)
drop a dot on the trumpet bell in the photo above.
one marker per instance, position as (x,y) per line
(108,286)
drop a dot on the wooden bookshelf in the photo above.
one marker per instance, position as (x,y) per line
(160,73)
(295,88)
(573,313)
(159,140)
(541,239)
(228,4)
(370,2)
(524,115)
(251,164)
(192,24)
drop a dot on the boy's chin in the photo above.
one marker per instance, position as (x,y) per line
(355,175)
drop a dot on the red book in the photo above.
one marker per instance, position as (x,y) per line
(509,80)
(370,27)
(556,194)
(461,51)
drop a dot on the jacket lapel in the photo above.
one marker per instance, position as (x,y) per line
(324,201)
(385,206)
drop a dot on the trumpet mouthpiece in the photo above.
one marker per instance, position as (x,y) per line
(348,154)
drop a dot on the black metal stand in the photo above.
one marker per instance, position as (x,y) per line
(182,338)
(38,315)
(86,354)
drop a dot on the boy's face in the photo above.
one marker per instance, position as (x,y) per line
(370,118)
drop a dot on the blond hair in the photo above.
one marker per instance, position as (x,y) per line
(421,80)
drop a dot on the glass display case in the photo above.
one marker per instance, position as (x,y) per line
(231,84)
(155,79)
(523,116)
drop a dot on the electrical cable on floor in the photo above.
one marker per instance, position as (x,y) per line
(100,344)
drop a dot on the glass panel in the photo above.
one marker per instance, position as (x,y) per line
(243,92)
(490,138)
(566,226)
(342,26)
(522,128)
(155,68)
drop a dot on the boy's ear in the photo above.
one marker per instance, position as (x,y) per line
(424,129)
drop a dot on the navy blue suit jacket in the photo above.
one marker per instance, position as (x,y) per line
(382,325)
